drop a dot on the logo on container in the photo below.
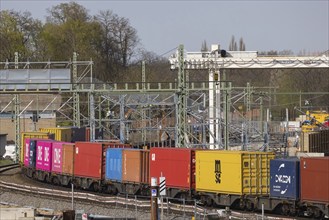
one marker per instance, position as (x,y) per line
(218,171)
(57,157)
(46,154)
(26,149)
(283,179)
(39,152)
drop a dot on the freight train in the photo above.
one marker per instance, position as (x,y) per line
(236,179)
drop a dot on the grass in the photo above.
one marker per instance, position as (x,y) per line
(5,162)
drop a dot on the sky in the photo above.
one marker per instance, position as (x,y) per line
(163,25)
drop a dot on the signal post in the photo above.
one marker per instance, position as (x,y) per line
(154,199)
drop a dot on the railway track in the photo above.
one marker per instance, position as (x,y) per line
(132,203)
(7,167)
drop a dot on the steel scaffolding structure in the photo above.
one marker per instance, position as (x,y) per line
(200,109)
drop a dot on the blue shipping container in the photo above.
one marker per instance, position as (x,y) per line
(113,167)
(284,182)
(33,153)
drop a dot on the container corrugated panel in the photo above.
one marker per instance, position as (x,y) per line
(88,159)
(44,155)
(61,134)
(27,148)
(57,158)
(135,165)
(68,158)
(98,134)
(32,153)
(78,134)
(314,172)
(113,170)
(233,172)
(284,182)
(26,151)
(176,164)
(35,135)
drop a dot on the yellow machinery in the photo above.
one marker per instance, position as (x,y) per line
(314,120)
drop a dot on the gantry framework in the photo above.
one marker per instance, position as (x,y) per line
(201,101)
(216,61)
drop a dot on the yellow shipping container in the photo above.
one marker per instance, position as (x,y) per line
(61,134)
(32,134)
(233,172)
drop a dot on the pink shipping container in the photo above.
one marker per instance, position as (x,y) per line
(57,158)
(27,152)
(27,149)
(44,155)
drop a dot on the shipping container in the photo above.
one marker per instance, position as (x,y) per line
(175,164)
(136,165)
(35,135)
(233,172)
(284,182)
(89,160)
(68,158)
(314,172)
(44,155)
(32,153)
(113,169)
(61,134)
(98,134)
(78,134)
(26,151)
(57,158)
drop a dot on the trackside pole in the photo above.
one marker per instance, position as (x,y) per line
(154,199)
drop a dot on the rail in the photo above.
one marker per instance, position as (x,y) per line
(7,167)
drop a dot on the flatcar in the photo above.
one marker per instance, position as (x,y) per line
(237,179)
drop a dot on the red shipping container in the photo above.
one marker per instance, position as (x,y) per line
(314,172)
(88,160)
(176,164)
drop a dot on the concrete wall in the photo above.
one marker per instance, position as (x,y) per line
(17,213)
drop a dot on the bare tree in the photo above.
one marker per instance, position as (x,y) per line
(204,46)
(117,44)
(242,46)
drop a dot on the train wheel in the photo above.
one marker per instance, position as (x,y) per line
(95,187)
(55,181)
(242,204)
(317,213)
(249,205)
(309,212)
(109,189)
(285,209)
(292,210)
(209,202)
(183,196)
